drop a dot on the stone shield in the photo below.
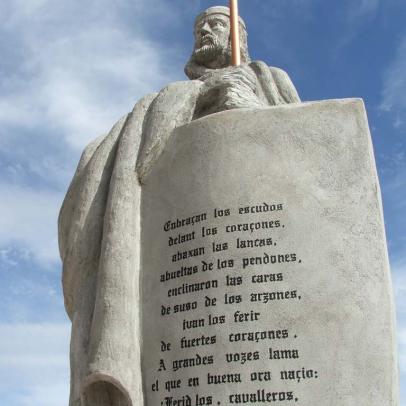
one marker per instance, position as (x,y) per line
(264,269)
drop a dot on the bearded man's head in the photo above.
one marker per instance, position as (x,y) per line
(212,49)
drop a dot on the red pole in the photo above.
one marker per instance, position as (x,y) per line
(235,33)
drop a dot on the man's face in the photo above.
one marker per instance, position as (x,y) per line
(212,34)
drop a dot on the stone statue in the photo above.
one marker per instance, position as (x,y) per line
(99,223)
(226,87)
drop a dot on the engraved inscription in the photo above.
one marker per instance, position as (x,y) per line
(224,269)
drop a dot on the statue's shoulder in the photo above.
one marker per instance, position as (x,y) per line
(278,73)
(271,74)
(97,143)
(138,112)
(264,68)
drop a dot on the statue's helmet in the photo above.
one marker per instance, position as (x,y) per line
(217,10)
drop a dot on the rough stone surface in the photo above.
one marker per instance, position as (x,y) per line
(315,162)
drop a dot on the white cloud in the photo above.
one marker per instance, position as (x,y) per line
(394,86)
(361,9)
(351,10)
(29,219)
(69,70)
(402,361)
(356,14)
(44,395)
(34,364)
(402,349)
(399,284)
(81,67)
(74,103)
(47,347)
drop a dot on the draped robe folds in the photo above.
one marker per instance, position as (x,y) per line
(99,239)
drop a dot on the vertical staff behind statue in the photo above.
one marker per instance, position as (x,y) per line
(235,34)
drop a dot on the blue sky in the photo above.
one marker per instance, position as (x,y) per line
(69,69)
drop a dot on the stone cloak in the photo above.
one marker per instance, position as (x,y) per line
(99,239)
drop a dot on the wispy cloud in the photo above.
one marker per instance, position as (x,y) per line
(29,220)
(285,19)
(355,15)
(399,284)
(361,9)
(68,71)
(349,10)
(79,68)
(394,87)
(34,364)
(402,349)
(48,394)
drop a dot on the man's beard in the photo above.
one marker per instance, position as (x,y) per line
(212,52)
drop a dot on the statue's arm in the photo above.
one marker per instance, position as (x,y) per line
(285,86)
